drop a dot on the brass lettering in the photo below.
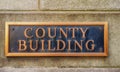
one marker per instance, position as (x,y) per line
(43,33)
(79,45)
(42,45)
(73,31)
(63,32)
(83,32)
(92,46)
(49,33)
(25,32)
(69,43)
(31,45)
(49,46)
(58,45)
(22,45)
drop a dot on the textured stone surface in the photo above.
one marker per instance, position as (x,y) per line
(59,70)
(113,60)
(80,4)
(18,4)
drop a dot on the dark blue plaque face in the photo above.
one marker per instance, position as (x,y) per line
(56,39)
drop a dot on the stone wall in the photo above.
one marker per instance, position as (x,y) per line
(62,11)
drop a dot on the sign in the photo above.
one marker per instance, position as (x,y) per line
(56,39)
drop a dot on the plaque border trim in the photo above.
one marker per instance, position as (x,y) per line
(105,24)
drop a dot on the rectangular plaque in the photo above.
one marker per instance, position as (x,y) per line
(56,39)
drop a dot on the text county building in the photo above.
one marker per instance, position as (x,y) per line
(60,35)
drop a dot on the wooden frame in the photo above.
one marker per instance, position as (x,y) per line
(105,24)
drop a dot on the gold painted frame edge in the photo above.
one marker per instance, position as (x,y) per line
(7,24)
